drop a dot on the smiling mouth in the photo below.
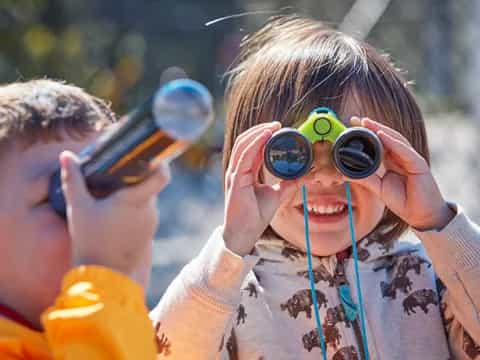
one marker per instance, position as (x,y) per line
(326,210)
(331,212)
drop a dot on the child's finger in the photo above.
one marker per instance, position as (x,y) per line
(73,182)
(274,124)
(243,140)
(375,126)
(403,154)
(148,188)
(355,121)
(391,164)
(246,138)
(246,163)
(258,164)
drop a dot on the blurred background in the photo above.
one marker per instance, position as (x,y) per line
(121,50)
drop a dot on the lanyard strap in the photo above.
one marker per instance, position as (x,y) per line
(310,275)
(357,275)
(348,304)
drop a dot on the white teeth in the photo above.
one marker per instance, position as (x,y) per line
(325,210)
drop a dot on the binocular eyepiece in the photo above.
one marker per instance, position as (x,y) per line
(356,151)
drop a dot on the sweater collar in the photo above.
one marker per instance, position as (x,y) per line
(371,250)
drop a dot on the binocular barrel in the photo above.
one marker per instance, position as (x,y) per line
(158,130)
(356,151)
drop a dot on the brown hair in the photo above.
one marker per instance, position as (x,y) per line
(293,64)
(43,110)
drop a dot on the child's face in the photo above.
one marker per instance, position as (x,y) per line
(34,241)
(327,205)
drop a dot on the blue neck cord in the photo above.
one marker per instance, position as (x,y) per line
(310,275)
(357,275)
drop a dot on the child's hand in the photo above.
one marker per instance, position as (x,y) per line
(114,231)
(407,187)
(249,205)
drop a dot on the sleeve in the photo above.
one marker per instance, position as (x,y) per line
(193,319)
(455,254)
(99,314)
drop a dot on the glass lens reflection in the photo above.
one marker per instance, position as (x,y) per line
(183,108)
(289,155)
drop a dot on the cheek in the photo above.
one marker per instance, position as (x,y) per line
(280,215)
(52,250)
(286,214)
(38,243)
(378,209)
(371,209)
(49,239)
(50,254)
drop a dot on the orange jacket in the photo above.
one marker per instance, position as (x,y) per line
(99,314)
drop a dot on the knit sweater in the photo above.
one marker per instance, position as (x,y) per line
(417,306)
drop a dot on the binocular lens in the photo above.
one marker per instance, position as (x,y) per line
(183,109)
(357,153)
(288,154)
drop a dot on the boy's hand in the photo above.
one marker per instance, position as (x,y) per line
(249,205)
(407,187)
(113,231)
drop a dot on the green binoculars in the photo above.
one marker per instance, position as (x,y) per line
(356,151)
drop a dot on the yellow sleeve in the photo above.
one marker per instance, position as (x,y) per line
(99,314)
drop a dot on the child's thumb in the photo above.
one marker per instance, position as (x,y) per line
(73,184)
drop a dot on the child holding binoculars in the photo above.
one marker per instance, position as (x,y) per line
(69,289)
(247,294)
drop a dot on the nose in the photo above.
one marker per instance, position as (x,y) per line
(323,169)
